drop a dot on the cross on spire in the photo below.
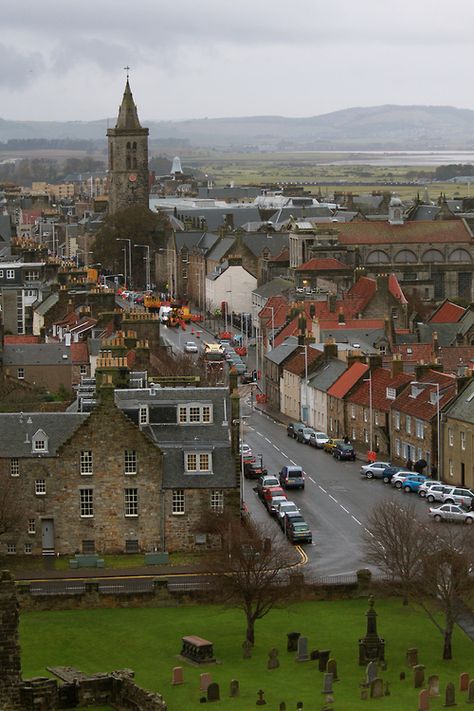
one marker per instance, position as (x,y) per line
(127,69)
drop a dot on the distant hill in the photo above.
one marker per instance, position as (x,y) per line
(379,127)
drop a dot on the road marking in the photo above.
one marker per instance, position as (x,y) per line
(332,497)
(369,532)
(293,462)
(285,455)
(276,447)
(268,440)
(311,479)
(259,433)
(249,427)
(344,508)
(322,489)
(356,520)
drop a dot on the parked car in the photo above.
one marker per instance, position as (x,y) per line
(294,516)
(271,492)
(330,444)
(255,469)
(190,347)
(318,439)
(304,434)
(292,477)
(389,472)
(293,428)
(298,532)
(283,508)
(343,451)
(398,478)
(413,483)
(433,491)
(247,378)
(273,504)
(245,448)
(457,495)
(374,470)
(265,481)
(451,512)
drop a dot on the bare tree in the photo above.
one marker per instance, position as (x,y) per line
(250,568)
(427,567)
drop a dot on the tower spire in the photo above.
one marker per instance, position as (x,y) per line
(128,115)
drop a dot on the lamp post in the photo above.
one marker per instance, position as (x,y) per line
(369,380)
(438,434)
(147,265)
(127,239)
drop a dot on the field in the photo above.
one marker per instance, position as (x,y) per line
(148,641)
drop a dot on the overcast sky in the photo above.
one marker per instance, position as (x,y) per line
(195,58)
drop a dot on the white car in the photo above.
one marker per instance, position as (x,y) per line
(285,507)
(398,478)
(190,347)
(375,469)
(245,449)
(432,491)
(452,512)
(318,439)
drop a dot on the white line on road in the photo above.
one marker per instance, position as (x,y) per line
(285,455)
(369,532)
(332,497)
(344,508)
(259,433)
(276,447)
(311,479)
(322,489)
(268,440)
(293,462)
(356,520)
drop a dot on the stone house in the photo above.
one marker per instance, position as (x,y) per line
(336,394)
(293,382)
(319,384)
(47,365)
(273,365)
(458,439)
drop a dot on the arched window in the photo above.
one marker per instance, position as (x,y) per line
(460,255)
(378,257)
(432,255)
(405,256)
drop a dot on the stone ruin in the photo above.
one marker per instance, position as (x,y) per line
(116,689)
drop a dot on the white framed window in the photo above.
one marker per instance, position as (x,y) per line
(10,273)
(32,275)
(177,506)
(451,468)
(197,461)
(397,447)
(396,420)
(408,424)
(450,437)
(143,415)
(131,502)
(39,442)
(32,526)
(391,394)
(195,413)
(1,273)
(419,429)
(20,373)
(463,440)
(87,502)
(28,548)
(419,454)
(130,461)
(11,548)
(217,501)
(382,350)
(83,369)
(86,462)
(366,415)
(353,412)
(40,487)
(14,466)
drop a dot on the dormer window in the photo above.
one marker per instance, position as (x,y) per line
(194,413)
(415,391)
(39,442)
(391,394)
(433,397)
(143,415)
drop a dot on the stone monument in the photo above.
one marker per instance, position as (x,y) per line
(371,647)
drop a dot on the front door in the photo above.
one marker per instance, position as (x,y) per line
(47,535)
(463,475)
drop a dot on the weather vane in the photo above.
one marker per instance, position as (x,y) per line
(127,69)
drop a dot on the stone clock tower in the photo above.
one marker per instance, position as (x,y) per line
(128,158)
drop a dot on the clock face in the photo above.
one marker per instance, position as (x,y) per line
(132,177)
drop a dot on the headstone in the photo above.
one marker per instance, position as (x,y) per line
(282,706)
(470,692)
(246,649)
(450,695)
(412,657)
(418,676)
(463,681)
(327,683)
(177,676)
(433,685)
(331,668)
(323,659)
(292,641)
(364,692)
(273,661)
(403,676)
(234,688)
(423,700)
(303,655)
(376,688)
(314,654)
(261,698)
(372,646)
(204,681)
(299,706)
(371,672)
(213,692)
(386,690)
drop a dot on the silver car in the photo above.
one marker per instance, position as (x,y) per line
(432,491)
(453,513)
(457,495)
(375,469)
(318,439)
(398,478)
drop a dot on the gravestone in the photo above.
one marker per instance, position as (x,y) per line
(371,672)
(273,661)
(386,689)
(364,692)
(376,688)
(177,676)
(204,681)
(261,698)
(433,685)
(418,675)
(234,688)
(412,657)
(292,641)
(470,692)
(327,684)
(372,646)
(213,692)
(331,668)
(450,695)
(323,659)
(423,700)
(246,649)
(299,706)
(403,676)
(463,681)
(314,654)
(303,655)
(282,706)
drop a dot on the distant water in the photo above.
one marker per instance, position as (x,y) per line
(430,158)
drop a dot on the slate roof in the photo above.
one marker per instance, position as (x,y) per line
(274,287)
(258,241)
(348,379)
(37,354)
(462,408)
(327,374)
(173,439)
(187,239)
(380,232)
(47,304)
(18,428)
(220,249)
(425,212)
(279,354)
(364,336)
(215,216)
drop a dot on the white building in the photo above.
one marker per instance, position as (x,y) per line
(232,284)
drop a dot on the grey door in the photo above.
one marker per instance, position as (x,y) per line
(47,534)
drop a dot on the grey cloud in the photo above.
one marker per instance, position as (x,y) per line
(18,69)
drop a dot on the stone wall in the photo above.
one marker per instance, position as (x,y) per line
(10,665)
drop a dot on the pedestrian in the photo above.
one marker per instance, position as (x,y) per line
(409,464)
(434,472)
(347,440)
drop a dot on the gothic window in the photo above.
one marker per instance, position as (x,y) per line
(405,256)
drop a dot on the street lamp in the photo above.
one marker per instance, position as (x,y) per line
(438,434)
(369,380)
(127,239)
(147,265)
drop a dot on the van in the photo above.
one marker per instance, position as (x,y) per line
(292,478)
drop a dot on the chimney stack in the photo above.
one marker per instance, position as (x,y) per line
(397,364)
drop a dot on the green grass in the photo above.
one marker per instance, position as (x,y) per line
(39,563)
(148,641)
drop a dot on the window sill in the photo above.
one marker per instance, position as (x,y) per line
(131,515)
(87,473)
(87,515)
(177,513)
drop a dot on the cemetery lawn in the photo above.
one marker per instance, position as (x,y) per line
(147,640)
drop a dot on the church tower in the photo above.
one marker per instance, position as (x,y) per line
(128,158)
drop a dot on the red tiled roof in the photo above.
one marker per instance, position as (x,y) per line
(381,380)
(453,357)
(348,379)
(68,320)
(395,289)
(284,256)
(447,313)
(296,363)
(79,352)
(277,317)
(415,352)
(20,340)
(420,406)
(291,329)
(327,264)
(381,232)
